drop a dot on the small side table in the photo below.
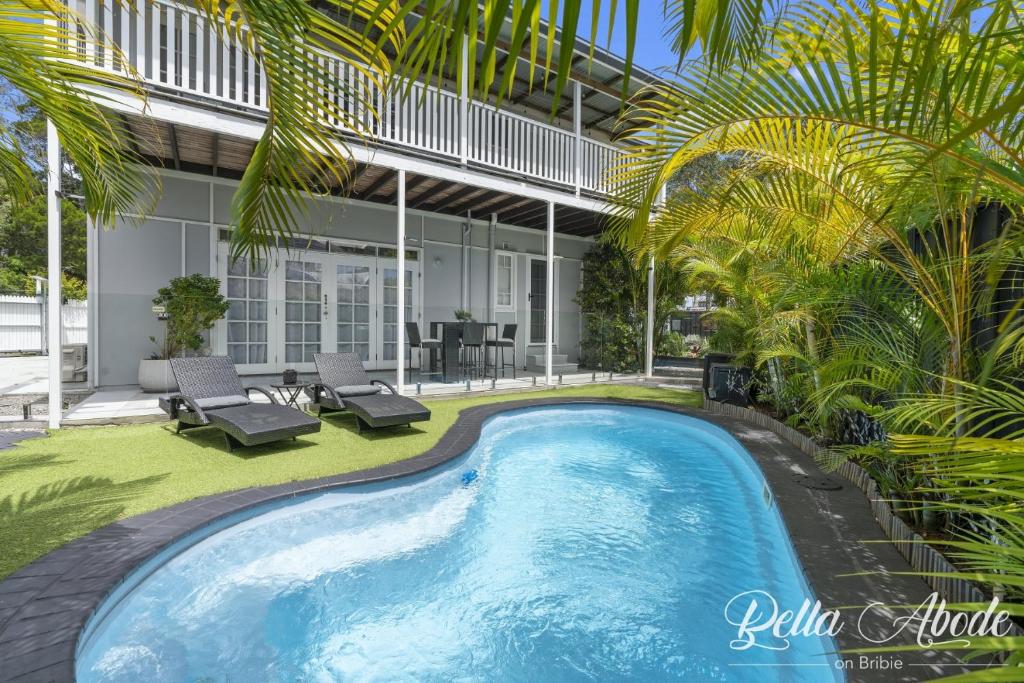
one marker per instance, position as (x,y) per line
(290,392)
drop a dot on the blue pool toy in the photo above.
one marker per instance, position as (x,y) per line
(468,477)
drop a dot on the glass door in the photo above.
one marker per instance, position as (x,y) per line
(305,310)
(389,319)
(538,303)
(537,295)
(356,304)
(246,335)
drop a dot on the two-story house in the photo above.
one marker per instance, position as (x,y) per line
(499,206)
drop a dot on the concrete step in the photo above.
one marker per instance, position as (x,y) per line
(563,368)
(672,371)
(538,359)
(556,368)
(690,382)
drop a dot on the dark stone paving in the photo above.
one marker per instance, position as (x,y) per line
(44,606)
(9,437)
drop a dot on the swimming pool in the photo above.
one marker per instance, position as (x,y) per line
(587,542)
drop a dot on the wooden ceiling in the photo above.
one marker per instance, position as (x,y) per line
(200,151)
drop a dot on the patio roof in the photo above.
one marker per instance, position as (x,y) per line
(196,150)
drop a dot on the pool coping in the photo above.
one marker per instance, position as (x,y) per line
(45,606)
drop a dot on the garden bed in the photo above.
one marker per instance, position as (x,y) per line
(918,552)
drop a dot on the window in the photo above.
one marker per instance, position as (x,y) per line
(504,281)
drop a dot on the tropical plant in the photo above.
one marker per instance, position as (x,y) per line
(23,224)
(865,240)
(45,50)
(191,305)
(673,344)
(613,302)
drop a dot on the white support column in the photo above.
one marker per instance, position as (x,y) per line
(53,270)
(649,359)
(464,104)
(549,307)
(92,284)
(400,240)
(577,129)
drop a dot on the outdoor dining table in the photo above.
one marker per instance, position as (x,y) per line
(450,333)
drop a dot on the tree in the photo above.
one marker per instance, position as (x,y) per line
(387,41)
(869,137)
(613,301)
(23,224)
(192,304)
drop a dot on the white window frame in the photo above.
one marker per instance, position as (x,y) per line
(510,307)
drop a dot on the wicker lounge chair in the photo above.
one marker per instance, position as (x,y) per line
(211,395)
(344,385)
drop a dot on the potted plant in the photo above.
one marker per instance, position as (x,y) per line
(463,316)
(189,306)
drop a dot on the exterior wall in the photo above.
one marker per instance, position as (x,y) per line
(143,254)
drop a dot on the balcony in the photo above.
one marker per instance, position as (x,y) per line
(174,51)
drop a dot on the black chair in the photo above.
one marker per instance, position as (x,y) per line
(507,340)
(211,395)
(412,332)
(344,385)
(341,376)
(472,347)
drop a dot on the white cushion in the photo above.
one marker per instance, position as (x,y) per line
(357,390)
(222,401)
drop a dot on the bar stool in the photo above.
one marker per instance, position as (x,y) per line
(412,332)
(472,345)
(507,340)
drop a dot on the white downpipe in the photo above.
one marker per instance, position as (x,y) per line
(92,277)
(53,270)
(649,360)
(550,299)
(400,241)
(491,227)
(465,254)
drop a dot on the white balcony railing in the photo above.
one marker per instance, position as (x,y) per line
(171,46)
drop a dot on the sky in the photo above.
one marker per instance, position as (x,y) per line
(653,49)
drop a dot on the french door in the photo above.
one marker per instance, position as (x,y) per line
(355,308)
(248,336)
(284,310)
(306,311)
(537,303)
(389,309)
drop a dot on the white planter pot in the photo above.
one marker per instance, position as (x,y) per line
(155,376)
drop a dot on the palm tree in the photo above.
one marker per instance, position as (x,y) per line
(45,51)
(34,51)
(869,135)
(388,41)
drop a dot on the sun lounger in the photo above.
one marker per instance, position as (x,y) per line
(211,395)
(344,385)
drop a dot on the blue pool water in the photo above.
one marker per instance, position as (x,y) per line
(571,543)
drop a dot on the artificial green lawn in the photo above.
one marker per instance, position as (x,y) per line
(79,479)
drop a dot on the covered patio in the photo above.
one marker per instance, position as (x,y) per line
(129,405)
(506,252)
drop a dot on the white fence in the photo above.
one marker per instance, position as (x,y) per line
(23,323)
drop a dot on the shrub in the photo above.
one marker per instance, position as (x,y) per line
(192,305)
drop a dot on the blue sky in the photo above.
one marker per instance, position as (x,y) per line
(653,49)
